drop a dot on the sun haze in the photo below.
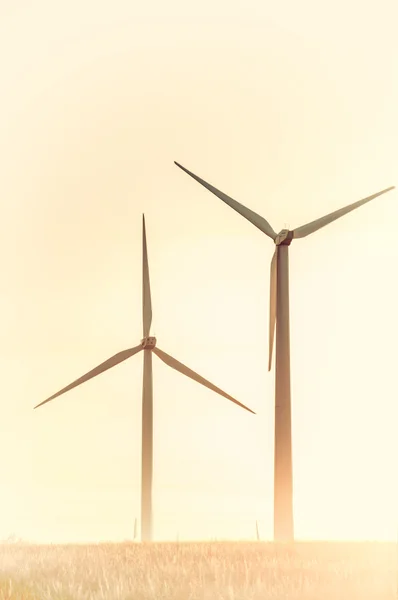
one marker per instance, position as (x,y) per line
(281,107)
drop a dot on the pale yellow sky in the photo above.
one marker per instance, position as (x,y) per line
(289,108)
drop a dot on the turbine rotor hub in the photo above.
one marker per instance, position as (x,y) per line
(284,238)
(148,343)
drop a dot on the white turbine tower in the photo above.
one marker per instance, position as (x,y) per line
(148,345)
(279,316)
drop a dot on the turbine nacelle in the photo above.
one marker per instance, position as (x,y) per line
(148,343)
(284,238)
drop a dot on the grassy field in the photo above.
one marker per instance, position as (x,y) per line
(200,571)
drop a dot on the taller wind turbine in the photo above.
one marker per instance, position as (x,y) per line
(148,345)
(279,316)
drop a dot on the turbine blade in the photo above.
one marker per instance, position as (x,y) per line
(305,230)
(108,364)
(175,364)
(146,287)
(272,304)
(251,216)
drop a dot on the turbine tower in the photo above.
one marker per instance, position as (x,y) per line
(279,317)
(148,345)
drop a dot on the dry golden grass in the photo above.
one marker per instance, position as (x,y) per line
(200,571)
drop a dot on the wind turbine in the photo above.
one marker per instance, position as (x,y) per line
(148,345)
(279,317)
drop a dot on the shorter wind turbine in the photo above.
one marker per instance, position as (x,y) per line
(148,344)
(279,319)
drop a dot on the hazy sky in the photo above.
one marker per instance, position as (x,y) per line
(291,108)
